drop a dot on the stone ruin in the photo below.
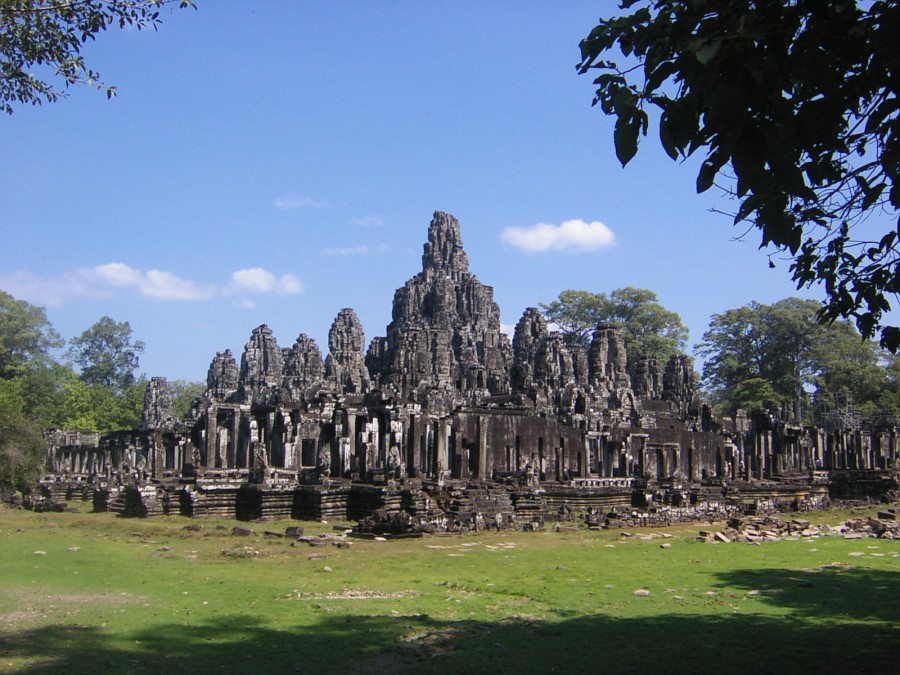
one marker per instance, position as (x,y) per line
(444,422)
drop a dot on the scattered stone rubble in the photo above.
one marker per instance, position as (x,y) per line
(758,529)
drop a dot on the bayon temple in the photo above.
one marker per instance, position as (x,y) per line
(447,423)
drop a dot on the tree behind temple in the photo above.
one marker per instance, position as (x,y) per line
(780,353)
(647,327)
(107,355)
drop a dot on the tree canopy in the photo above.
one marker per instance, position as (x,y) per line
(21,443)
(184,392)
(647,327)
(41,41)
(794,105)
(38,393)
(779,353)
(26,336)
(107,354)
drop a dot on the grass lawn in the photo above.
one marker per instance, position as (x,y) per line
(92,593)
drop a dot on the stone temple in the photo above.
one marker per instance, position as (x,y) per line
(446,422)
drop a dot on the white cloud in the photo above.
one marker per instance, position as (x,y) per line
(253,280)
(572,235)
(347,250)
(297,203)
(118,274)
(109,278)
(357,250)
(258,280)
(155,284)
(368,221)
(50,292)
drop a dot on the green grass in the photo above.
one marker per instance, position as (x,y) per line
(147,596)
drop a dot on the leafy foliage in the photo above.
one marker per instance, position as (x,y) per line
(22,446)
(185,392)
(37,393)
(106,354)
(95,407)
(778,353)
(26,336)
(799,100)
(647,326)
(48,35)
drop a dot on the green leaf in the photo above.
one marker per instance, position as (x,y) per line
(708,171)
(626,138)
(707,52)
(666,137)
(749,205)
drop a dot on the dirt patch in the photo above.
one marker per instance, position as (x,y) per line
(413,648)
(353,594)
(34,606)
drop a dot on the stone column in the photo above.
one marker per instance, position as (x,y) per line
(158,459)
(442,448)
(207,452)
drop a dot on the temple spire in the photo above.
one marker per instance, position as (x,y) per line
(444,249)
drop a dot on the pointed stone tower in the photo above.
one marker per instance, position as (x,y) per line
(344,365)
(304,367)
(159,405)
(261,366)
(222,377)
(445,331)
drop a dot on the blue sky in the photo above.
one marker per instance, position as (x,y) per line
(274,162)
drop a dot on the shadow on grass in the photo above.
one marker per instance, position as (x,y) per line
(837,592)
(833,621)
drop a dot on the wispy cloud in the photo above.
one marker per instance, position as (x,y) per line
(259,281)
(245,303)
(111,278)
(155,284)
(51,292)
(571,235)
(368,221)
(357,250)
(298,203)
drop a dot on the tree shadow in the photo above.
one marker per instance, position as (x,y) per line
(832,621)
(836,591)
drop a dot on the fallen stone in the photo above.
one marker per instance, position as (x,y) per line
(293,532)
(240,531)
